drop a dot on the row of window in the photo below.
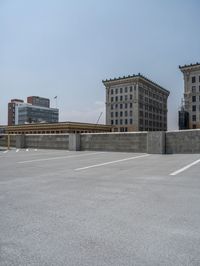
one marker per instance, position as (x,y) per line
(121,98)
(122,122)
(125,113)
(121,106)
(151,101)
(194,79)
(153,95)
(122,90)
(153,109)
(152,123)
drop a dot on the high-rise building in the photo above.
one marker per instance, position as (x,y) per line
(135,103)
(26,113)
(38,101)
(191,76)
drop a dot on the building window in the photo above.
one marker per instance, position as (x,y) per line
(194,108)
(116,98)
(121,98)
(121,90)
(131,88)
(193,98)
(111,99)
(131,121)
(131,105)
(111,114)
(126,121)
(121,106)
(126,97)
(194,118)
(126,105)
(111,107)
(111,122)
(125,89)
(116,122)
(111,91)
(116,91)
(131,96)
(193,79)
(193,88)
(125,113)
(121,121)
(194,126)
(116,106)
(131,113)
(116,114)
(121,113)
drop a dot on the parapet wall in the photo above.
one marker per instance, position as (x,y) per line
(187,141)
(183,141)
(53,141)
(124,142)
(4,142)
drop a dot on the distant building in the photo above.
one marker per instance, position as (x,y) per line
(58,128)
(183,119)
(36,111)
(191,75)
(135,103)
(38,101)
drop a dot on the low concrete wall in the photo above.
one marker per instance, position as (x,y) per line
(124,142)
(54,141)
(184,141)
(4,140)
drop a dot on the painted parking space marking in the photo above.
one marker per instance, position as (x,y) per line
(6,151)
(61,157)
(112,162)
(185,167)
(17,150)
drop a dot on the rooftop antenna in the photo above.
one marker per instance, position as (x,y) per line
(56,101)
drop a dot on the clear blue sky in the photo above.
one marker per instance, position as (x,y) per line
(66,48)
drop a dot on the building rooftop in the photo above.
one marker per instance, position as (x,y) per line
(139,75)
(191,65)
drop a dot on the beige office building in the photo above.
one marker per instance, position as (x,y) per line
(191,76)
(135,103)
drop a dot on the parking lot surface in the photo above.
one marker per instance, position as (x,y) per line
(99,208)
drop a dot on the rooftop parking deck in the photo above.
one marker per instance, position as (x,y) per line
(60,207)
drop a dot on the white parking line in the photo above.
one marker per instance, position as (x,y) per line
(185,168)
(112,162)
(27,149)
(5,151)
(17,150)
(61,157)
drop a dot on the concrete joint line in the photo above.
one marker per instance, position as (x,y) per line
(61,157)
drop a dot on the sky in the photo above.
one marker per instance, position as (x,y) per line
(65,48)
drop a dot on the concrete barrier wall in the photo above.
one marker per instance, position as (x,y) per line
(4,140)
(186,141)
(54,141)
(124,142)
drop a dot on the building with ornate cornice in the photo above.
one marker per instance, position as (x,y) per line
(135,103)
(191,76)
